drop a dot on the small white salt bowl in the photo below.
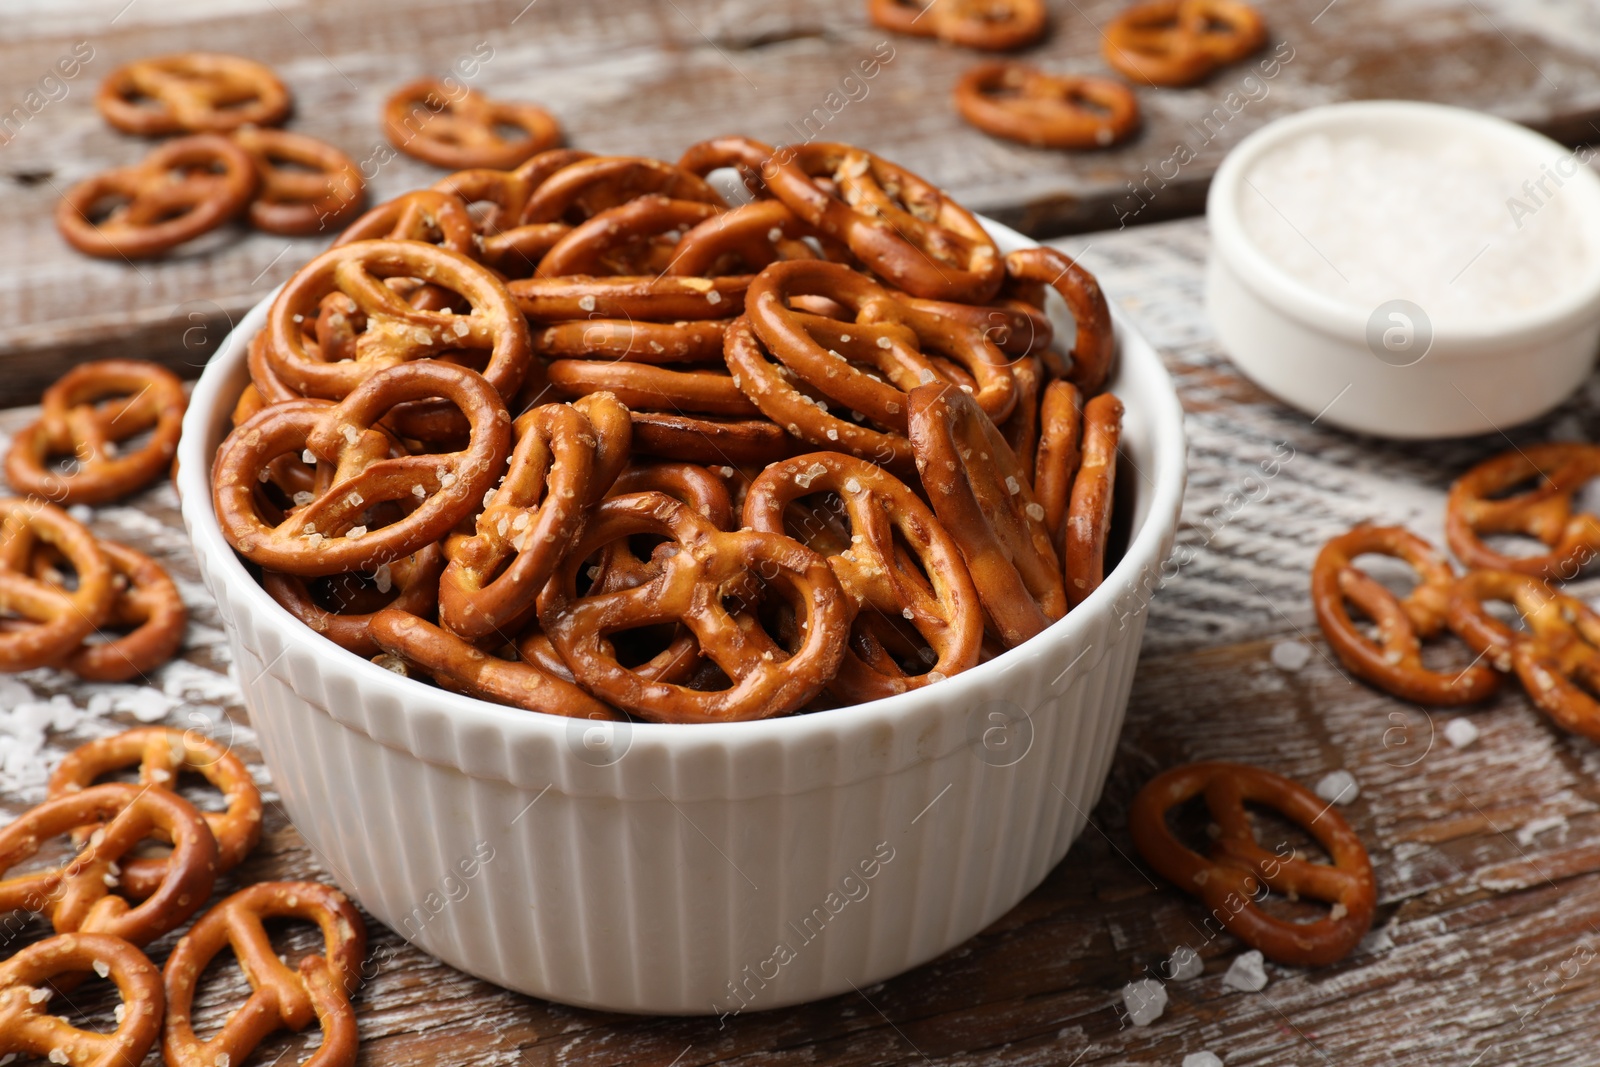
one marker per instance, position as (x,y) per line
(1379,293)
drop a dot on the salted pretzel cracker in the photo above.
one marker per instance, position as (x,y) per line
(626,239)
(1231,878)
(1480,504)
(432,216)
(28,1028)
(741,241)
(1088,521)
(765,679)
(992,25)
(280,998)
(459,665)
(410,583)
(495,573)
(162,753)
(915,237)
(668,298)
(1021,427)
(78,897)
(781,400)
(1059,455)
(49,622)
(318,191)
(943,609)
(331,534)
(586,187)
(192,92)
(1022,103)
(633,342)
(1394,661)
(1179,42)
(1557,657)
(86,414)
(887,335)
(1094,346)
(395,331)
(146,603)
(646,387)
(709,439)
(456,129)
(182,189)
(981,496)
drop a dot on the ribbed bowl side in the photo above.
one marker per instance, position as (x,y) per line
(657,905)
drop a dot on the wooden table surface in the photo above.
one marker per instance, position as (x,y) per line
(653,78)
(1487,857)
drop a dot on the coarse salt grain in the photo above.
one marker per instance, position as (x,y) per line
(1185,963)
(102,968)
(1290,655)
(1450,226)
(1035,511)
(356,532)
(1145,1000)
(303,497)
(1460,733)
(1247,973)
(1201,1059)
(308,456)
(1338,787)
(38,996)
(587,303)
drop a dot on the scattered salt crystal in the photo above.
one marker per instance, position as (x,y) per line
(314,540)
(161,774)
(907,613)
(120,1014)
(102,968)
(418,492)
(1201,1059)
(1185,963)
(38,996)
(488,495)
(447,479)
(1246,973)
(587,303)
(1460,732)
(309,528)
(356,499)
(884,342)
(1290,655)
(1145,1000)
(308,456)
(58,1055)
(833,434)
(713,297)
(356,532)
(852,486)
(351,434)
(109,879)
(222,1060)
(521,522)
(384,579)
(1338,787)
(1338,911)
(936,676)
(1035,511)
(303,497)
(926,376)
(81,512)
(775,234)
(1012,485)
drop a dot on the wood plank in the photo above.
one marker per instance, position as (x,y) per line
(652,79)
(1488,858)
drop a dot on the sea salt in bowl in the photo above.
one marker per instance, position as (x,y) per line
(1408,270)
(716,868)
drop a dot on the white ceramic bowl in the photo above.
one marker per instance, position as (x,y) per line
(694,869)
(1312,350)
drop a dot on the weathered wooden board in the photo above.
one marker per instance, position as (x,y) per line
(1488,857)
(653,78)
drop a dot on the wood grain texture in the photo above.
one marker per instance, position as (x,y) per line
(653,78)
(1488,857)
